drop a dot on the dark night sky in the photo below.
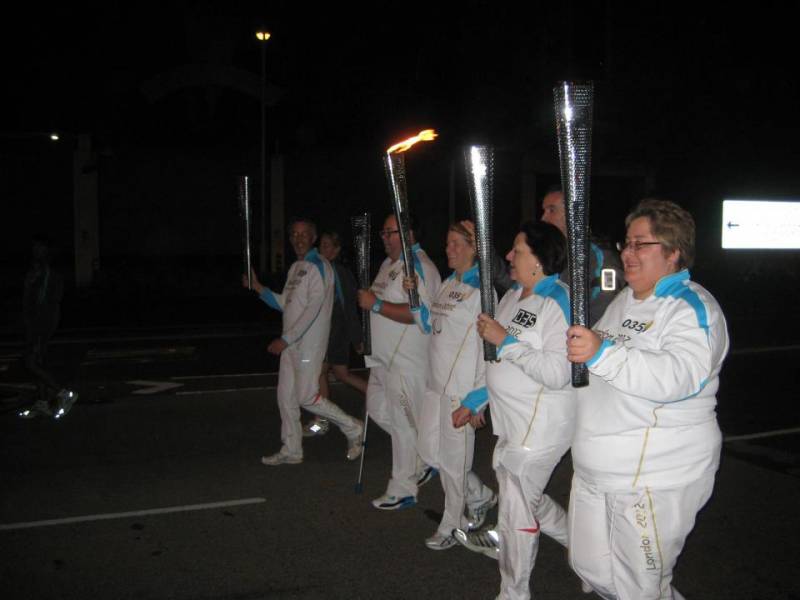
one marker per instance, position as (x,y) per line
(685,77)
(702,98)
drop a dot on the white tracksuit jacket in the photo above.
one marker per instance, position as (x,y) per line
(306,303)
(647,417)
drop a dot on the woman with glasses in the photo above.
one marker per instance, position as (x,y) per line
(531,400)
(647,444)
(456,368)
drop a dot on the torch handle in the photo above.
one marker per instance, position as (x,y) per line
(366,332)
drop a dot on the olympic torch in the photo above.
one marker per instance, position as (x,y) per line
(573,104)
(395,165)
(243,194)
(480,183)
(362,231)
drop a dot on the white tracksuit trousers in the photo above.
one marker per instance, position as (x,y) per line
(298,386)
(451,451)
(393,403)
(625,545)
(525,512)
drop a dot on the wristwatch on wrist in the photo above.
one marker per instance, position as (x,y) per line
(376,308)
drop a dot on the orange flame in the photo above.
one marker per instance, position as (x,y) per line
(425,135)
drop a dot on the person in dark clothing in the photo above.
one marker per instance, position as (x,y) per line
(41,308)
(345,329)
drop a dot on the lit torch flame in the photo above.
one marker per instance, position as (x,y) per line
(425,135)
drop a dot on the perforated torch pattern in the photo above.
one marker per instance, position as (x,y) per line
(480,184)
(395,166)
(573,104)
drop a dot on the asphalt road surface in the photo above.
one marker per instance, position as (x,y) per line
(152,488)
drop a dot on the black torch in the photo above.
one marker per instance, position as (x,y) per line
(362,231)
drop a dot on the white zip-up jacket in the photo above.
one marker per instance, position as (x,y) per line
(456,350)
(306,303)
(647,417)
(400,347)
(528,389)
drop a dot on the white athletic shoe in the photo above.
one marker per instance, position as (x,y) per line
(66,398)
(478,514)
(315,427)
(387,502)
(485,542)
(586,588)
(39,408)
(281,459)
(354,445)
(440,542)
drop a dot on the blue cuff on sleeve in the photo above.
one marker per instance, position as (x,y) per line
(509,339)
(475,400)
(269,299)
(599,353)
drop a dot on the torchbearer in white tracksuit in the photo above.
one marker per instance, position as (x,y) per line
(306,303)
(647,443)
(531,400)
(456,368)
(399,361)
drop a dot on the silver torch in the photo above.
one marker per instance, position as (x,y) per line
(480,183)
(573,104)
(362,230)
(243,194)
(395,165)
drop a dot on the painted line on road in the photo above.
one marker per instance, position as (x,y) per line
(226,391)
(191,377)
(135,513)
(766,349)
(761,435)
(241,389)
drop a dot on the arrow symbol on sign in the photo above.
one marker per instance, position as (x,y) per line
(732,224)
(154,387)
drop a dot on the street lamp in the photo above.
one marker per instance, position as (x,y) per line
(262,37)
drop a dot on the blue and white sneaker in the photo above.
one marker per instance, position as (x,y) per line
(387,502)
(426,475)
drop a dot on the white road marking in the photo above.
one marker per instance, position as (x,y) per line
(226,391)
(135,513)
(763,434)
(154,387)
(189,377)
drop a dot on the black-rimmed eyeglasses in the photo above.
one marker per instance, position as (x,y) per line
(634,245)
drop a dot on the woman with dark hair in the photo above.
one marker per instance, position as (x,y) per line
(647,443)
(531,401)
